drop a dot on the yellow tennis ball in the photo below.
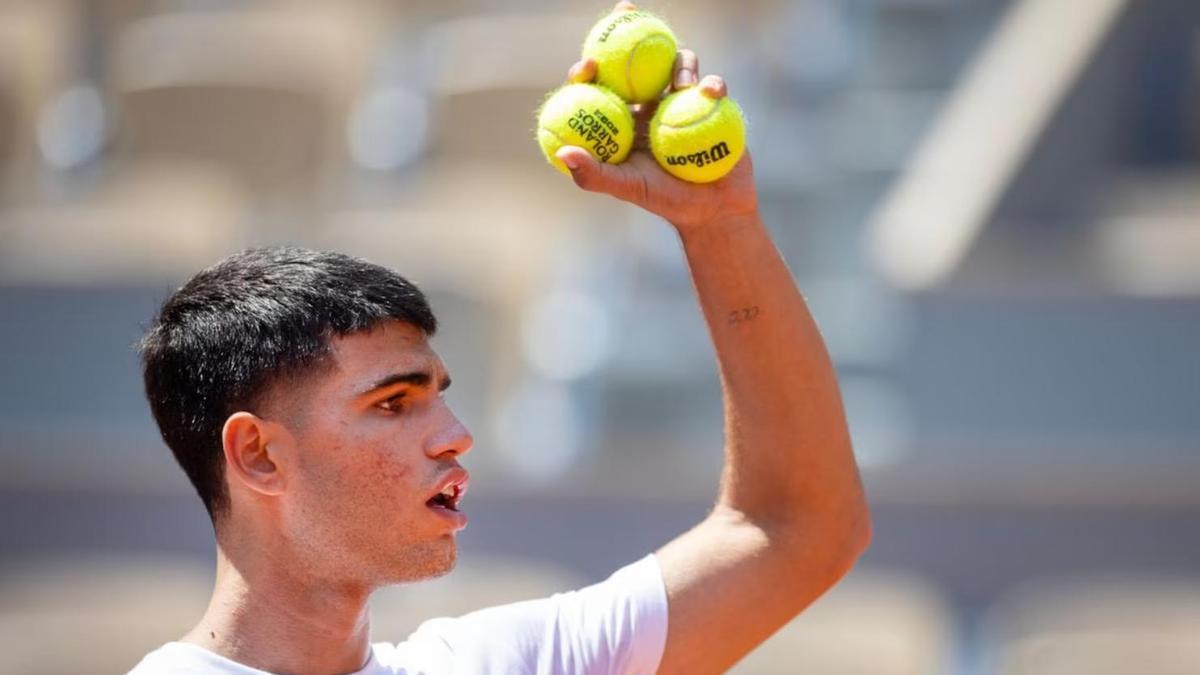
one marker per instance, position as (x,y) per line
(696,137)
(587,116)
(634,53)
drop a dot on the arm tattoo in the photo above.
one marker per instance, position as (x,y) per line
(742,315)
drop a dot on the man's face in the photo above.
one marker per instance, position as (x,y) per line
(374,442)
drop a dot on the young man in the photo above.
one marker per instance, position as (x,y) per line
(300,394)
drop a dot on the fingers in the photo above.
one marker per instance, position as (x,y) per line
(582,71)
(624,5)
(685,74)
(713,86)
(643,111)
(686,67)
(618,180)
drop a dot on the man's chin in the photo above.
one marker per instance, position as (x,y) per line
(446,564)
(433,560)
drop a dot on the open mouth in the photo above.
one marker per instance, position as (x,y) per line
(448,498)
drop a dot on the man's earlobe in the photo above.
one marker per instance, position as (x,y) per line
(249,456)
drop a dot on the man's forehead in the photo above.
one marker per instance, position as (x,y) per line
(363,358)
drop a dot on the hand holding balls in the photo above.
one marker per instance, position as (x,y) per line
(695,134)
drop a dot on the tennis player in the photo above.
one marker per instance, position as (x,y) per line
(299,393)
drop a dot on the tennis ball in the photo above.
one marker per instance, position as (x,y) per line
(587,116)
(696,137)
(634,53)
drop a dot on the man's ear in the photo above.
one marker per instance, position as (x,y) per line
(249,455)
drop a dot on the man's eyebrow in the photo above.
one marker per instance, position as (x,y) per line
(419,378)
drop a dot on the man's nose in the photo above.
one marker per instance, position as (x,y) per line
(454,439)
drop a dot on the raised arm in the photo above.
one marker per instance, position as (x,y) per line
(790,517)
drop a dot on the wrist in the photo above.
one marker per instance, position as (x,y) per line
(724,224)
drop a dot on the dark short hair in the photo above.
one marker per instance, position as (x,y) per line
(224,339)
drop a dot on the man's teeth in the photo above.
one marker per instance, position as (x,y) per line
(449,491)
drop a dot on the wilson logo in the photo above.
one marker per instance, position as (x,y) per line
(627,17)
(714,154)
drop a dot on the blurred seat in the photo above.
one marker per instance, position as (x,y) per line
(95,614)
(485,91)
(482,230)
(1099,626)
(1147,241)
(227,114)
(36,41)
(477,582)
(264,89)
(873,623)
(151,222)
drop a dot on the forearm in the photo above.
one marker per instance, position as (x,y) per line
(788,455)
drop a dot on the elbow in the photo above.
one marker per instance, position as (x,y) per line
(846,540)
(824,537)
(849,526)
(845,547)
(857,528)
(861,531)
(832,544)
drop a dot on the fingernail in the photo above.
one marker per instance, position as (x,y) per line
(571,161)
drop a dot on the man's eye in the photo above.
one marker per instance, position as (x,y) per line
(393,403)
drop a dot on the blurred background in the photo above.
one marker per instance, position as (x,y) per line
(993,207)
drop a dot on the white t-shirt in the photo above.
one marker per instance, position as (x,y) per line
(616,626)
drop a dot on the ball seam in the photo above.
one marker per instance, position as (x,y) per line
(555,135)
(716,107)
(633,95)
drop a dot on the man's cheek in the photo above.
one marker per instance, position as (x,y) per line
(392,473)
(332,474)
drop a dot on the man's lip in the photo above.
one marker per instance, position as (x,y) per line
(457,519)
(456,476)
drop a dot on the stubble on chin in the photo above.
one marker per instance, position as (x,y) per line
(425,561)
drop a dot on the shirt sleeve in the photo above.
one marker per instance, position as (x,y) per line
(616,626)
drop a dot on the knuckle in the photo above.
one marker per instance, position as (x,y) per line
(639,189)
(581,178)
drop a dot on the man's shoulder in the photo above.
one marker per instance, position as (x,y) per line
(181,658)
(616,625)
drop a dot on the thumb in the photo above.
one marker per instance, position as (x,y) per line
(617,180)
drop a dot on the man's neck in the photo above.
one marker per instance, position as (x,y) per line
(266,615)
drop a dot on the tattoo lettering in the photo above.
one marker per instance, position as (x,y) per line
(743,315)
